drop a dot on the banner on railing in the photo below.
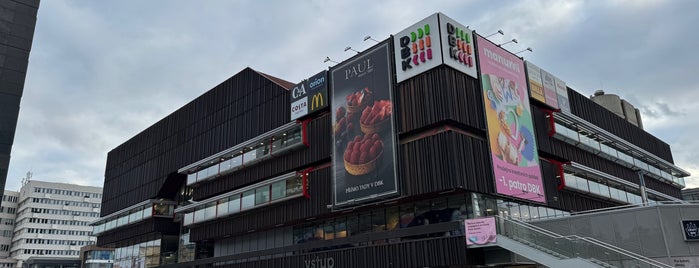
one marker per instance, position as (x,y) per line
(480,231)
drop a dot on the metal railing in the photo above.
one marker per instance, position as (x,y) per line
(573,246)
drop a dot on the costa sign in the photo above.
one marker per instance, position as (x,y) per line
(309,96)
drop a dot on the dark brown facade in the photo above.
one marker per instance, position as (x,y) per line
(443,162)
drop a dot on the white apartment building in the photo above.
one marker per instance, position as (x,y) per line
(53,221)
(8,212)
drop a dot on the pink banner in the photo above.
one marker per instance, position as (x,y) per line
(480,231)
(510,128)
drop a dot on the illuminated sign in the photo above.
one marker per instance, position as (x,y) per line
(431,42)
(309,96)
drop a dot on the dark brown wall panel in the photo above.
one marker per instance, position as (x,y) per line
(236,110)
(445,161)
(592,112)
(437,95)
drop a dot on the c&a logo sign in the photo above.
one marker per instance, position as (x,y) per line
(416,48)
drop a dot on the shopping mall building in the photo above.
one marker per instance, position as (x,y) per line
(380,161)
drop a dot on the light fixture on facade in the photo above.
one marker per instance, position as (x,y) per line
(368,37)
(327,59)
(526,49)
(350,48)
(511,41)
(498,32)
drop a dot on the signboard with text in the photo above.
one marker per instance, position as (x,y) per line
(309,96)
(480,231)
(509,123)
(363,134)
(431,42)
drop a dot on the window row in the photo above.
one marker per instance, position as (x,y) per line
(54,231)
(8,210)
(66,192)
(65,212)
(56,242)
(9,198)
(588,142)
(51,252)
(64,202)
(135,215)
(582,183)
(253,152)
(53,221)
(263,194)
(154,253)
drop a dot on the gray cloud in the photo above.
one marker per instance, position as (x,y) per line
(100,72)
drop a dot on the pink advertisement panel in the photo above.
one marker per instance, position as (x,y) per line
(480,231)
(510,128)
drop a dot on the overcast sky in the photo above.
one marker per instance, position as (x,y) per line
(102,71)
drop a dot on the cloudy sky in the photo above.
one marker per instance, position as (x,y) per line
(102,71)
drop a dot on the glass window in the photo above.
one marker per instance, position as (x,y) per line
(594,187)
(262,195)
(136,215)
(249,156)
(236,161)
(123,220)
(392,216)
(262,150)
(378,220)
(407,214)
(604,190)
(162,209)
(191,178)
(222,208)
(234,204)
(200,214)
(364,223)
(188,218)
(201,174)
(278,190)
(148,212)
(340,229)
(329,230)
(534,213)
(248,199)
(212,171)
(294,186)
(224,166)
(210,211)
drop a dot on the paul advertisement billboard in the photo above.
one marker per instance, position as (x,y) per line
(509,120)
(363,133)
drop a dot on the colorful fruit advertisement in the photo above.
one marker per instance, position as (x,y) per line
(480,231)
(363,133)
(536,85)
(417,48)
(510,128)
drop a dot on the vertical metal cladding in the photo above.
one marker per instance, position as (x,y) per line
(364,137)
(236,110)
(586,109)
